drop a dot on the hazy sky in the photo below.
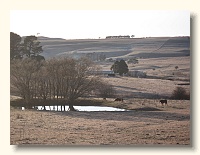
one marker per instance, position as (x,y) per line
(95,24)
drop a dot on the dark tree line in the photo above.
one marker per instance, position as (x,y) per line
(28,47)
(116,37)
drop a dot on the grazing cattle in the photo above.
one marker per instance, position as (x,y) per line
(119,99)
(163,102)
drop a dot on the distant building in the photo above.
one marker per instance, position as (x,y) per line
(138,74)
(107,72)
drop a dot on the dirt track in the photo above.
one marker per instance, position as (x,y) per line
(168,127)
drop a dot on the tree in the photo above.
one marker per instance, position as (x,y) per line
(105,90)
(72,78)
(115,67)
(15,46)
(31,46)
(176,67)
(132,36)
(23,74)
(123,67)
(180,94)
(65,78)
(79,79)
(120,67)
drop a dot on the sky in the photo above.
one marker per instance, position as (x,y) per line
(80,24)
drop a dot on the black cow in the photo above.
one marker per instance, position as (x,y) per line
(163,102)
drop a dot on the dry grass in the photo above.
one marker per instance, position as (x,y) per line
(170,126)
(149,123)
(143,88)
(160,82)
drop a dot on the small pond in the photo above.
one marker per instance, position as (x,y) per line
(80,108)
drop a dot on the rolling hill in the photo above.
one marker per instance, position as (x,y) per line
(157,57)
(117,48)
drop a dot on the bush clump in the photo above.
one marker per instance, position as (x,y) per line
(180,94)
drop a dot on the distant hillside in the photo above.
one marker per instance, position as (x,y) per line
(117,48)
(42,38)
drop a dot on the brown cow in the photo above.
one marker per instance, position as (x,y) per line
(163,102)
(119,99)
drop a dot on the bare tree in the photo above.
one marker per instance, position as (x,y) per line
(43,83)
(66,78)
(54,78)
(78,78)
(23,73)
(105,90)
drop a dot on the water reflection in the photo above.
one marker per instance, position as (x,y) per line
(79,108)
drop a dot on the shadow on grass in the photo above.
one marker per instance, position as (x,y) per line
(145,113)
(133,115)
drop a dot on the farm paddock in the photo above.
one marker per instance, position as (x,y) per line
(166,62)
(148,123)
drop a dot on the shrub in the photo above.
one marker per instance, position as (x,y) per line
(180,94)
(105,90)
